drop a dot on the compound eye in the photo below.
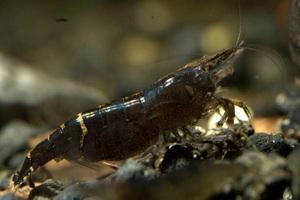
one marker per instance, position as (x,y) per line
(208,66)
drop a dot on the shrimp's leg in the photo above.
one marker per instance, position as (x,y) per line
(244,107)
(158,149)
(176,134)
(186,131)
(229,114)
(111,165)
(228,107)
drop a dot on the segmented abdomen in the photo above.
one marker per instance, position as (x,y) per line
(114,131)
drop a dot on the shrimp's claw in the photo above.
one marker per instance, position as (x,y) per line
(244,107)
(229,114)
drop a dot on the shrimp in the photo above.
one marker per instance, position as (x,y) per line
(129,126)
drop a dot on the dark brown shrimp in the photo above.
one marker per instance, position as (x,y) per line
(129,126)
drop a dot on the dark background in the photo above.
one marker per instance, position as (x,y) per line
(121,47)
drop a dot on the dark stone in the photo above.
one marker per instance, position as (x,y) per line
(177,157)
(3,183)
(47,190)
(132,170)
(194,182)
(80,191)
(243,128)
(261,178)
(214,144)
(267,177)
(269,143)
(294,167)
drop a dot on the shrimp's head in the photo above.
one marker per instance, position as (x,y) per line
(205,72)
(220,64)
(216,66)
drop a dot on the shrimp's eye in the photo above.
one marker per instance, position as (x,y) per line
(208,66)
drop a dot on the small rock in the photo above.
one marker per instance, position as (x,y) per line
(4,179)
(194,182)
(287,194)
(3,183)
(267,178)
(269,143)
(291,125)
(177,157)
(47,190)
(132,170)
(10,196)
(243,128)
(294,166)
(80,191)
(210,145)
(13,139)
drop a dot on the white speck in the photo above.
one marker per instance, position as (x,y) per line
(169,82)
(286,122)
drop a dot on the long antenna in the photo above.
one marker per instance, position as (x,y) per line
(239,41)
(266,52)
